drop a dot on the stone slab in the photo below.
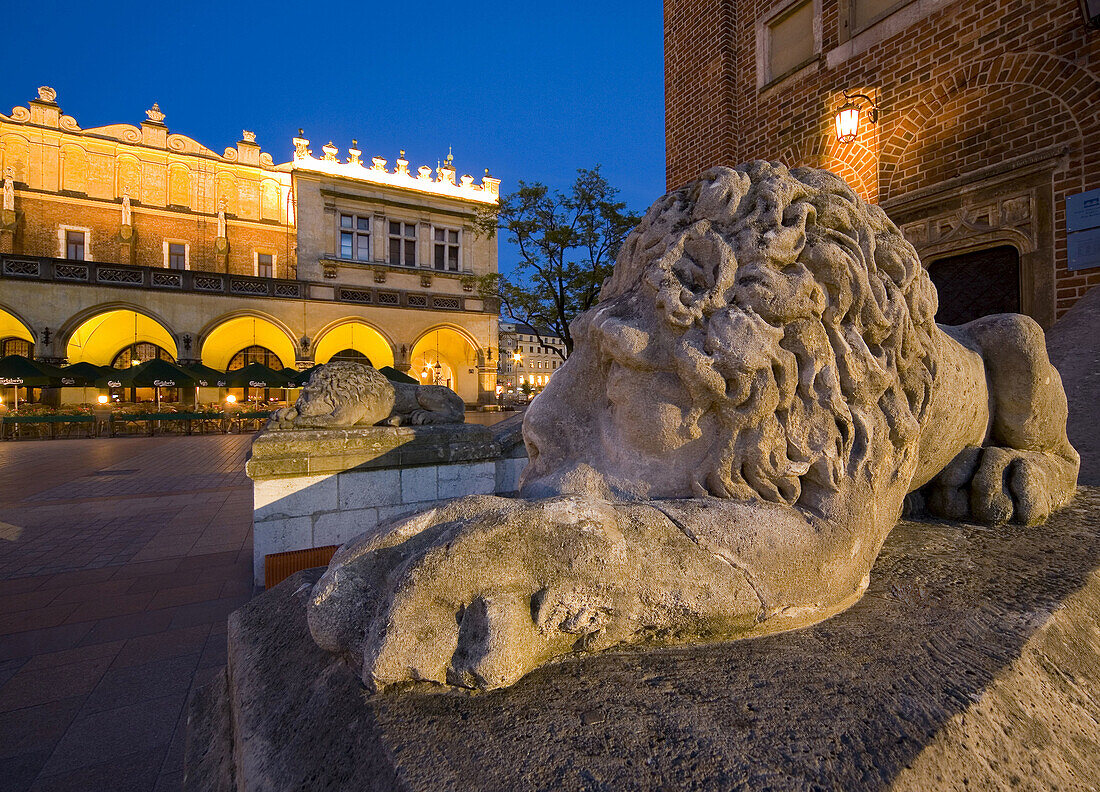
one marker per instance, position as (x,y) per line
(973,662)
(276,454)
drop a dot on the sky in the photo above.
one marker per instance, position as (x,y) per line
(529,90)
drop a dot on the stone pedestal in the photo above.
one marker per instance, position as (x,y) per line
(973,662)
(314,488)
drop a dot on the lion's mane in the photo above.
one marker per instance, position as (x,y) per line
(346,386)
(794,312)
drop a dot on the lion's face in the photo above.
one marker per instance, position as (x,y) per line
(341,387)
(762,334)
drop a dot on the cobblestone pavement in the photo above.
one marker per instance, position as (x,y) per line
(120,560)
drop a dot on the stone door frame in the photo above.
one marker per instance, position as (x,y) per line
(1009,203)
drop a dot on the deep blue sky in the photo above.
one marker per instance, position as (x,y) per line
(529,90)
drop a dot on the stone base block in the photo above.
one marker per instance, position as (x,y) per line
(973,662)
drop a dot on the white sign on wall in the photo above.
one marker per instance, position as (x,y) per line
(1083,230)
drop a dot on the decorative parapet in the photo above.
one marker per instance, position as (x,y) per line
(425,180)
(45,112)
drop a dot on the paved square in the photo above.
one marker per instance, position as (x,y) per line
(120,560)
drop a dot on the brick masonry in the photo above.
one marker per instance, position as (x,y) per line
(961,87)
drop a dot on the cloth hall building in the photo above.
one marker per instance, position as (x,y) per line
(124,242)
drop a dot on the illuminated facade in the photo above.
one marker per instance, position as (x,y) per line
(978,122)
(524,360)
(120,243)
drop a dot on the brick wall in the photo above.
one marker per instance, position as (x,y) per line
(36,234)
(966,86)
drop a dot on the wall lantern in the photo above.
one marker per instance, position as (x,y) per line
(847,117)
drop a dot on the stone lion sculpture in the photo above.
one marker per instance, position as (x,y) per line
(724,453)
(340,395)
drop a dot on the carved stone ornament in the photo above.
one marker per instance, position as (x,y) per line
(248,136)
(747,407)
(47,94)
(9,191)
(127,214)
(154,115)
(341,395)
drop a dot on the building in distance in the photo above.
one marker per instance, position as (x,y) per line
(123,243)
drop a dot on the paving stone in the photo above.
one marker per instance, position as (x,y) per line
(145,565)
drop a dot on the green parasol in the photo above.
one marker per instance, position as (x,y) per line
(207,377)
(393,375)
(155,374)
(256,375)
(18,372)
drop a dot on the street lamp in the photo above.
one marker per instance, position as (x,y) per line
(847,117)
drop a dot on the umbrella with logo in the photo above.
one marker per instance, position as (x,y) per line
(154,374)
(80,375)
(302,377)
(18,372)
(256,375)
(206,376)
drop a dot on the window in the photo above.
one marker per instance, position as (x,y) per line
(355,237)
(865,13)
(15,346)
(402,243)
(255,354)
(177,255)
(141,352)
(446,249)
(265,265)
(789,41)
(350,356)
(74,245)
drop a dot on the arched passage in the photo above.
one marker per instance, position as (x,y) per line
(358,336)
(100,338)
(15,336)
(456,358)
(231,336)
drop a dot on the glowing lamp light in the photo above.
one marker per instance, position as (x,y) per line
(847,123)
(230,399)
(103,399)
(847,117)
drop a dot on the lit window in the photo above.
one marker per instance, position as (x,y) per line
(177,256)
(74,245)
(265,265)
(790,40)
(355,237)
(402,244)
(15,346)
(446,249)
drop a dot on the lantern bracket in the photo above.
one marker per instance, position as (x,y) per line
(872,112)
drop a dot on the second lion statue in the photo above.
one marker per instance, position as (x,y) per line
(744,413)
(344,394)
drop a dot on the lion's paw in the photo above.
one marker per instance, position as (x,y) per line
(995,485)
(482,591)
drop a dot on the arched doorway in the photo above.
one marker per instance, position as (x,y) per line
(976,284)
(350,338)
(15,337)
(238,341)
(120,338)
(135,355)
(102,337)
(444,356)
(238,334)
